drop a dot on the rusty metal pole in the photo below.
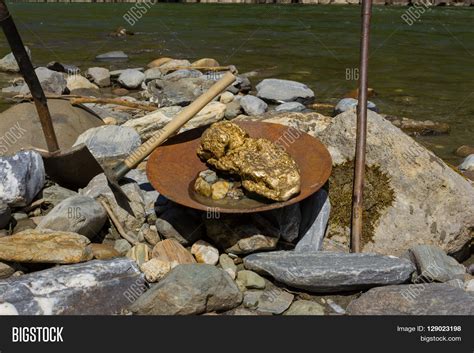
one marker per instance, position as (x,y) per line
(29,74)
(359,170)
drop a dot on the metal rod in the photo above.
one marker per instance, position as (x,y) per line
(359,169)
(29,74)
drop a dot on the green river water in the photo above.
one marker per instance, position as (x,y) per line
(422,71)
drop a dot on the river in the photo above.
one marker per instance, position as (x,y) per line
(421,70)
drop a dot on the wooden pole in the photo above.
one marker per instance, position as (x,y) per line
(359,169)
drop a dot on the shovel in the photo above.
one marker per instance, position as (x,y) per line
(73,168)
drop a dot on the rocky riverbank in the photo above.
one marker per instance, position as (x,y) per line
(305,2)
(77,251)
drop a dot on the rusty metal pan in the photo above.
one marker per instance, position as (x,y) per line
(174,166)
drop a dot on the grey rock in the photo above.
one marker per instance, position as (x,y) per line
(290,107)
(180,223)
(468,163)
(317,206)
(434,265)
(233,109)
(5,215)
(22,177)
(12,90)
(99,75)
(122,246)
(116,73)
(51,81)
(305,307)
(77,214)
(150,195)
(241,85)
(55,194)
(82,289)
(183,73)
(274,90)
(180,92)
(153,74)
(110,143)
(189,290)
(470,269)
(250,280)
(434,208)
(251,298)
(325,272)
(98,186)
(286,221)
(66,68)
(421,299)
(6,270)
(228,265)
(131,79)
(118,56)
(253,105)
(8,62)
(346,104)
(274,300)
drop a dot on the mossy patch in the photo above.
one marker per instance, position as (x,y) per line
(378,195)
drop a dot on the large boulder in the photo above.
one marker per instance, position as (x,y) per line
(78,214)
(274,90)
(190,290)
(51,81)
(82,289)
(22,177)
(324,272)
(413,196)
(8,62)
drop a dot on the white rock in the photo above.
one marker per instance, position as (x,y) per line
(8,62)
(155,269)
(226,97)
(468,163)
(205,253)
(131,79)
(253,105)
(79,82)
(99,75)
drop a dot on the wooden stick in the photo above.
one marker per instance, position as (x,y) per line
(117,224)
(122,102)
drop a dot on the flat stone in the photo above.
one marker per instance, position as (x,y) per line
(305,308)
(9,64)
(55,194)
(228,265)
(253,105)
(250,280)
(131,79)
(275,90)
(22,177)
(190,290)
(77,214)
(169,250)
(155,269)
(414,299)
(434,265)
(323,272)
(182,73)
(99,75)
(274,300)
(205,253)
(43,246)
(82,289)
(180,92)
(51,81)
(290,107)
(118,56)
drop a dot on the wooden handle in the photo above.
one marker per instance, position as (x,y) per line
(182,118)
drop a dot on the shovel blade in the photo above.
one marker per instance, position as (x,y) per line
(73,168)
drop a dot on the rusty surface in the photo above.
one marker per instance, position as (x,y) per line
(173,167)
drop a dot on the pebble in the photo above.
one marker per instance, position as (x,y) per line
(305,307)
(228,265)
(122,246)
(250,280)
(155,269)
(219,190)
(205,253)
(253,105)
(226,97)
(140,253)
